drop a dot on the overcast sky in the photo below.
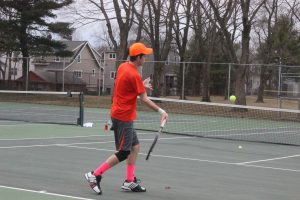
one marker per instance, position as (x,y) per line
(90,32)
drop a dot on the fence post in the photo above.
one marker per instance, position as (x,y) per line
(279,82)
(183,80)
(27,74)
(228,85)
(63,75)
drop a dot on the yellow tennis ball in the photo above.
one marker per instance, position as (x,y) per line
(240,146)
(232,99)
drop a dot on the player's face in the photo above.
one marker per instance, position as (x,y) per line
(141,60)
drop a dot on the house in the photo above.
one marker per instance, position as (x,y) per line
(84,64)
(50,81)
(108,62)
(12,67)
(171,71)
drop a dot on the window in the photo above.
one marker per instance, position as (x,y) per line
(112,56)
(14,71)
(167,62)
(112,75)
(78,73)
(79,58)
(56,59)
(94,72)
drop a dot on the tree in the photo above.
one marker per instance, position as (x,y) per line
(247,17)
(159,30)
(113,13)
(181,31)
(263,30)
(27,22)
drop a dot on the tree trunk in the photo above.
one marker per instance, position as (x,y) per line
(261,88)
(158,82)
(205,82)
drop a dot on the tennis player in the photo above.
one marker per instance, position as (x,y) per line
(128,86)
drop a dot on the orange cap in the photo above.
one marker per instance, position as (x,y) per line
(139,48)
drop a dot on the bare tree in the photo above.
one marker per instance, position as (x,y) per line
(248,11)
(159,30)
(294,9)
(263,33)
(181,31)
(115,12)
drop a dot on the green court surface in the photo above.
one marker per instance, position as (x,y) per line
(48,161)
(18,130)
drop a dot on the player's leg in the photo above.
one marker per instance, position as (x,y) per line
(94,177)
(131,183)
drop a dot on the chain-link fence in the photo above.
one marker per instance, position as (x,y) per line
(183,80)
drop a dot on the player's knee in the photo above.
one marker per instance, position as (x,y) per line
(136,148)
(122,155)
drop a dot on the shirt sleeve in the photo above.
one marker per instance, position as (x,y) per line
(138,85)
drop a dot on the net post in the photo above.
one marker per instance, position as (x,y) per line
(81,109)
(298,107)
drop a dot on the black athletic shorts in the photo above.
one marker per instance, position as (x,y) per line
(125,135)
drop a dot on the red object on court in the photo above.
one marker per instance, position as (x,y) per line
(106,127)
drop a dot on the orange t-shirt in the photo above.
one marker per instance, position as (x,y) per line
(128,85)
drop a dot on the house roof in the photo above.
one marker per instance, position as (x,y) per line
(73,45)
(53,77)
(76,47)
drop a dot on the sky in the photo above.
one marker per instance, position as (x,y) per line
(90,32)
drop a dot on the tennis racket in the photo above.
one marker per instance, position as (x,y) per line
(155,139)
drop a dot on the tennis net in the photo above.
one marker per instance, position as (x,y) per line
(224,121)
(42,107)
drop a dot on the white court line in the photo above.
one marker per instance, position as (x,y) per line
(275,168)
(79,143)
(24,124)
(154,155)
(52,138)
(194,159)
(43,192)
(270,159)
(73,137)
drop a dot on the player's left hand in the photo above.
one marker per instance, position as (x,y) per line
(147,83)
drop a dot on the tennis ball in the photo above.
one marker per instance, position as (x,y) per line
(232,99)
(240,146)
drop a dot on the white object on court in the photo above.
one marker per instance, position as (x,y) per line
(88,124)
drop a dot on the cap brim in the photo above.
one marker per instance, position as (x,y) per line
(148,51)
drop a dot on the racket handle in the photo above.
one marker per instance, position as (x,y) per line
(163,123)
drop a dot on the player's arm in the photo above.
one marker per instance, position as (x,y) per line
(144,98)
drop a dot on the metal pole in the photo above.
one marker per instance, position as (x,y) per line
(279,82)
(228,85)
(99,81)
(63,75)
(103,76)
(27,74)
(183,75)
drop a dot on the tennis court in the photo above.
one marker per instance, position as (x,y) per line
(47,161)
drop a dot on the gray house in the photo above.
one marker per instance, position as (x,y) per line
(171,71)
(108,63)
(84,64)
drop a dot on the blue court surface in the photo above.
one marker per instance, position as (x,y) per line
(48,161)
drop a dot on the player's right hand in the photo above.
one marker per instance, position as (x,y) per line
(164,117)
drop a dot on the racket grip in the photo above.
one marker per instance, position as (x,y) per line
(163,123)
